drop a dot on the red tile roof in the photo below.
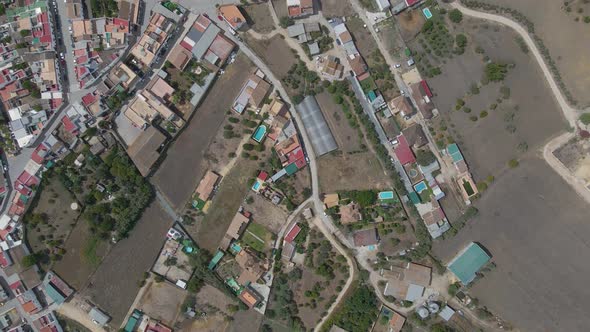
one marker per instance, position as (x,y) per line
(79,52)
(263,175)
(88,99)
(4,262)
(426,88)
(292,234)
(69,125)
(403,152)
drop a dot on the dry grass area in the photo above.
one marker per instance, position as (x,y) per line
(259,18)
(333,8)
(162,301)
(57,218)
(338,171)
(266,213)
(78,264)
(114,285)
(274,52)
(507,131)
(348,138)
(186,160)
(562,35)
(225,204)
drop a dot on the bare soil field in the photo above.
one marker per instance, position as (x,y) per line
(259,18)
(507,131)
(348,138)
(183,168)
(535,226)
(58,218)
(333,8)
(232,190)
(562,35)
(410,23)
(362,38)
(274,52)
(246,321)
(74,266)
(280,7)
(162,301)
(266,213)
(114,285)
(339,171)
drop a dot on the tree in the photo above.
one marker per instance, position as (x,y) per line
(25,33)
(461,40)
(456,16)
(29,260)
(496,72)
(585,118)
(425,157)
(285,21)
(453,289)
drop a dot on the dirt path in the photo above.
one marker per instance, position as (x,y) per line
(74,312)
(571,114)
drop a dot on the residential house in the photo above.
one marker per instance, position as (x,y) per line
(383,4)
(56,289)
(423,102)
(205,40)
(145,150)
(206,185)
(149,44)
(415,136)
(331,200)
(232,15)
(330,67)
(350,213)
(250,297)
(403,152)
(408,282)
(299,8)
(252,267)
(253,93)
(401,105)
(366,237)
(179,57)
(235,229)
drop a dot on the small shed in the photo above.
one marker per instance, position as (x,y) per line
(99,317)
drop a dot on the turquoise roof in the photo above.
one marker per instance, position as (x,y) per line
(414,197)
(291,168)
(54,294)
(468,262)
(218,256)
(453,150)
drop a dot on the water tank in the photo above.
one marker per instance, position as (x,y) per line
(433,307)
(422,312)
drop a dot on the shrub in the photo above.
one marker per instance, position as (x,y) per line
(483,114)
(496,72)
(585,118)
(513,163)
(586,19)
(425,157)
(455,15)
(461,40)
(285,21)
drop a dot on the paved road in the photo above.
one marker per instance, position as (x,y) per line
(64,23)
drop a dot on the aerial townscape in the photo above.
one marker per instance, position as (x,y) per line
(294,165)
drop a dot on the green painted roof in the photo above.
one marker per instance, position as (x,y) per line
(372,95)
(218,256)
(291,169)
(453,150)
(468,262)
(54,294)
(414,197)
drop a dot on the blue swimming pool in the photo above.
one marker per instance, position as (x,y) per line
(427,13)
(385,195)
(420,187)
(256,186)
(259,133)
